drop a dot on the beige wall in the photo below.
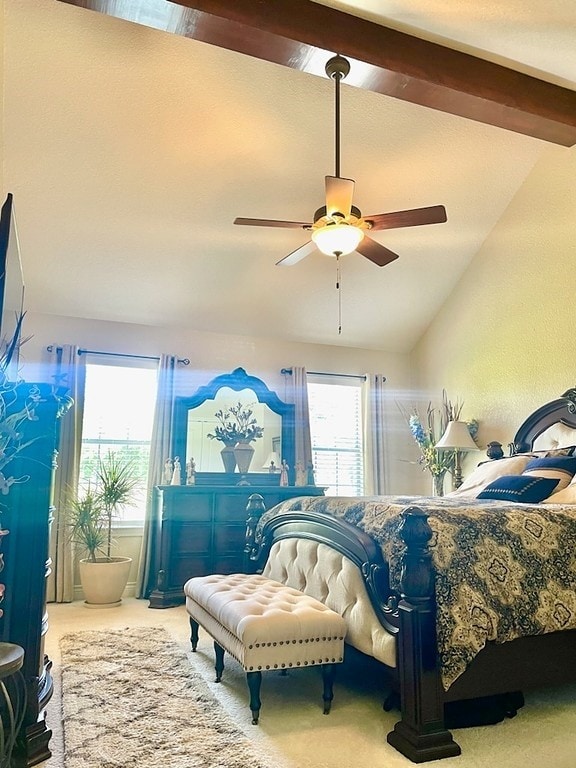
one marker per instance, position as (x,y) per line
(504,340)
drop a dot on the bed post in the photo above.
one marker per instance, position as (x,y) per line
(254,510)
(420,734)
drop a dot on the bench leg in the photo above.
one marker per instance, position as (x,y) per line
(193,634)
(219,665)
(328,680)
(254,680)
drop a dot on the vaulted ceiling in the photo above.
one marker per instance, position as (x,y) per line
(135,136)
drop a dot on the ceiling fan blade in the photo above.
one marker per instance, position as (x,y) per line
(297,255)
(434,214)
(375,252)
(273,223)
(339,194)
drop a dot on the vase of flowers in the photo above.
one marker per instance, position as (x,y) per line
(237,429)
(427,432)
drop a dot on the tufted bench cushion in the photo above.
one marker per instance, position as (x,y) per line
(264,624)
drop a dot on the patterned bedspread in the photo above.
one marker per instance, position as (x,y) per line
(503,570)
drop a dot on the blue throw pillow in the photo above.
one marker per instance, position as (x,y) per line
(522,488)
(560,468)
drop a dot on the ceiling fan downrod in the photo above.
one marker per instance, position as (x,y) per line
(337,68)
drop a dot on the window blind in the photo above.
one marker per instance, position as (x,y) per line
(336,432)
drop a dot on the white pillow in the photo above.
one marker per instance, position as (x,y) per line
(488,471)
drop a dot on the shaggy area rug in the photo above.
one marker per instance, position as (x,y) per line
(130,698)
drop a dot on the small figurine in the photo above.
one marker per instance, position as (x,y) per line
(284,473)
(177,472)
(191,472)
(272,468)
(310,474)
(168,472)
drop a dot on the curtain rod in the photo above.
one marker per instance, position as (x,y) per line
(288,371)
(183,360)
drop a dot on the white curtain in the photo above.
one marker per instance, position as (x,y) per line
(297,393)
(67,369)
(160,449)
(373,401)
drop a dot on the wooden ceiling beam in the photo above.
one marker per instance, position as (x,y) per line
(303,35)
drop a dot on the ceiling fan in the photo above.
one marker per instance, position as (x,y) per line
(339,227)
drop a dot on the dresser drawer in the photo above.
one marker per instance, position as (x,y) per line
(191,537)
(228,507)
(183,508)
(229,538)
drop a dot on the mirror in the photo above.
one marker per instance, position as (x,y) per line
(225,408)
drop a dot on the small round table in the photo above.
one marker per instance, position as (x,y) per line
(12,698)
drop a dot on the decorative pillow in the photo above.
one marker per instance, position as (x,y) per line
(565,496)
(561,468)
(568,451)
(488,471)
(521,488)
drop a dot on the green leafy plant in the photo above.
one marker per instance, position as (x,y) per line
(90,516)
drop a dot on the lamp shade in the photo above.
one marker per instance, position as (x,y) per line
(337,239)
(457,437)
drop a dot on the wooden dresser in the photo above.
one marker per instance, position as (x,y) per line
(201,530)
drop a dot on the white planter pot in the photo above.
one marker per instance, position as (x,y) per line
(103,582)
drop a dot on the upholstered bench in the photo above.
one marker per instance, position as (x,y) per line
(265,625)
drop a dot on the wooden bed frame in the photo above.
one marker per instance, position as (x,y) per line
(422,734)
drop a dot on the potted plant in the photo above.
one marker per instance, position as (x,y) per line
(248,431)
(90,517)
(237,429)
(226,432)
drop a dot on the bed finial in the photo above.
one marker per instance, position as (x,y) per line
(570,395)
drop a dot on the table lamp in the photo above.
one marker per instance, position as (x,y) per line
(457,437)
(273,462)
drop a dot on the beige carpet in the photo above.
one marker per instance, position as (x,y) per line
(293,730)
(130,699)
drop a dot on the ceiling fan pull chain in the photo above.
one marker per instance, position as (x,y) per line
(339,289)
(337,78)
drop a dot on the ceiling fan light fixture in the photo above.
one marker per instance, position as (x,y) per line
(337,239)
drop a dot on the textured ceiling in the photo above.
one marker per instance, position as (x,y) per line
(130,151)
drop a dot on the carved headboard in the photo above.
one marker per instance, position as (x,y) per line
(561,411)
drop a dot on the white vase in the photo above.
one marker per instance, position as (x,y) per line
(103,581)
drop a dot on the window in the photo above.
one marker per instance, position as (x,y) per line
(118,414)
(336,431)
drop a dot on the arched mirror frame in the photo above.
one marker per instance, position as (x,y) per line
(237,380)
